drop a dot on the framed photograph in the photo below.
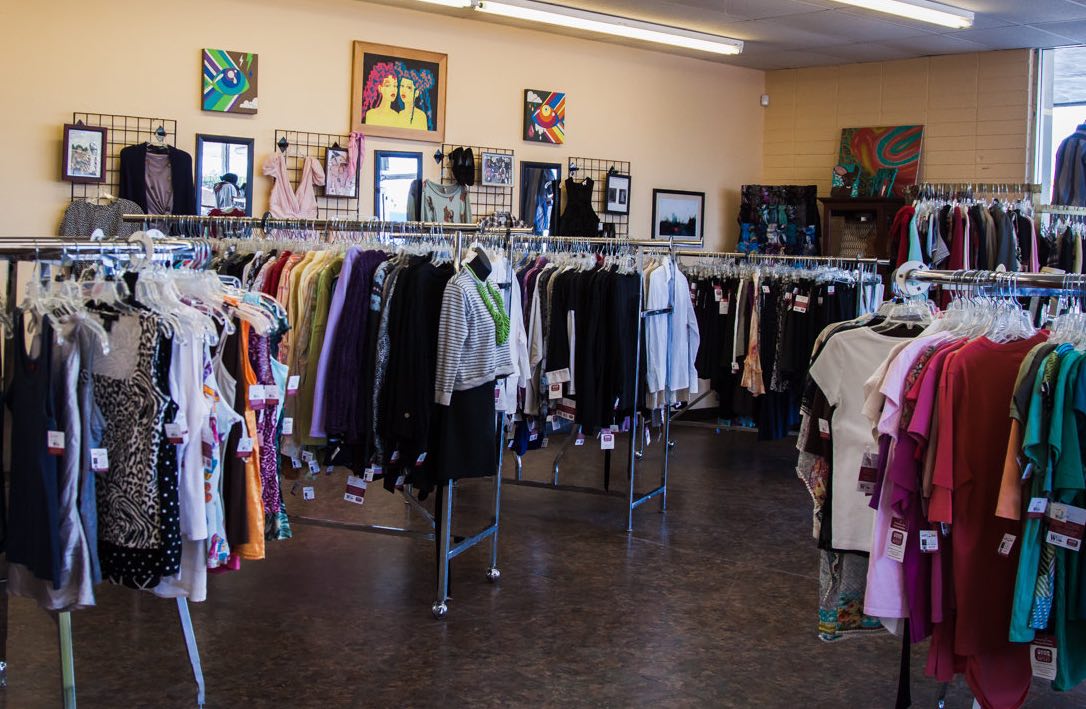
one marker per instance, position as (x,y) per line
(544,116)
(497,170)
(398,92)
(678,214)
(618,194)
(84,153)
(340,177)
(229,81)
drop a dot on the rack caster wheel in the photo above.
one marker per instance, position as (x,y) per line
(440,610)
(670,445)
(492,574)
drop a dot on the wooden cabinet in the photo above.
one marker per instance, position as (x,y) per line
(858,227)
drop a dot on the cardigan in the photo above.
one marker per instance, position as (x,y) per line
(133,178)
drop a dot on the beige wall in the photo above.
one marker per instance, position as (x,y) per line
(975,109)
(682,123)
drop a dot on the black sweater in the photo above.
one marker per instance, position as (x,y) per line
(133,178)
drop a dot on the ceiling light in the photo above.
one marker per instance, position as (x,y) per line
(933,12)
(449,3)
(610,25)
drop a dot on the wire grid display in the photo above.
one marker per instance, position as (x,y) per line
(303,144)
(121,131)
(597,169)
(485,201)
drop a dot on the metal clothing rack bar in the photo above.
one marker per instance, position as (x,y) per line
(18,248)
(969,189)
(1060,209)
(911,277)
(268,222)
(633,500)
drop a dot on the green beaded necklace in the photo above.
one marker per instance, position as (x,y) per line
(492,299)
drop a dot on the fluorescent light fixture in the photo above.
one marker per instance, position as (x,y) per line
(933,12)
(609,24)
(449,3)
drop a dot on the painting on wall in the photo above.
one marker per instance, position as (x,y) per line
(874,149)
(398,93)
(84,153)
(544,116)
(230,81)
(677,214)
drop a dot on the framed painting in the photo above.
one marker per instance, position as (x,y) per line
(229,81)
(84,153)
(887,148)
(617,199)
(340,176)
(678,214)
(544,116)
(497,169)
(398,92)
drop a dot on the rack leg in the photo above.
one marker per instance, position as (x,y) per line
(562,451)
(633,474)
(194,651)
(492,573)
(67,658)
(667,458)
(3,626)
(520,466)
(441,608)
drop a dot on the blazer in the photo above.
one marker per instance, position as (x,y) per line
(133,178)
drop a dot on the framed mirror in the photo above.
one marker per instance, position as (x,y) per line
(540,196)
(224,175)
(397,178)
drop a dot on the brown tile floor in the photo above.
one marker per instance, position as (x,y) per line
(712,604)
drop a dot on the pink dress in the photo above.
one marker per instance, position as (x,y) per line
(287,202)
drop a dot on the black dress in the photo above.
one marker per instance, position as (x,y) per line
(579,219)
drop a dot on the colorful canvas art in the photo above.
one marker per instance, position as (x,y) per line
(229,81)
(398,92)
(874,149)
(544,116)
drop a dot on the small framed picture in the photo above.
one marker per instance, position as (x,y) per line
(84,153)
(678,214)
(618,194)
(497,170)
(340,177)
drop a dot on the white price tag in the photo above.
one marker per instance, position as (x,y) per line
(724,306)
(308,493)
(718,293)
(308,456)
(580,440)
(400,481)
(831,289)
(421,459)
(292,384)
(607,440)
(314,467)
(896,538)
(288,426)
(544,443)
(765,289)
(256,396)
(367,476)
(356,489)
(824,429)
(175,434)
(1066,525)
(1006,544)
(245,447)
(929,541)
(558,375)
(271,395)
(99,460)
(802,301)
(54,440)
(554,391)
(1042,657)
(735,367)
(1037,507)
(295,463)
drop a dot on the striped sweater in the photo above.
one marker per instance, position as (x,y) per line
(467,353)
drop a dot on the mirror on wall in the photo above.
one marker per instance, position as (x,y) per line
(540,196)
(397,178)
(224,174)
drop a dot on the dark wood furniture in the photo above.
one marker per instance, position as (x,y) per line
(879,211)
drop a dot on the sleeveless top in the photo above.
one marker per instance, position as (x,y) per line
(579,219)
(34,532)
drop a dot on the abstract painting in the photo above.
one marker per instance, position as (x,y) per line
(544,116)
(398,92)
(874,149)
(229,81)
(678,214)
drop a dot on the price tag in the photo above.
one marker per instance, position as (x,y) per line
(99,460)
(895,540)
(824,429)
(724,306)
(271,395)
(1027,473)
(245,447)
(175,433)
(929,541)
(400,482)
(1042,657)
(558,375)
(869,473)
(288,426)
(295,463)
(421,459)
(607,440)
(256,396)
(308,456)
(735,367)
(718,293)
(329,469)
(554,391)
(395,456)
(497,393)
(1066,525)
(579,441)
(545,442)
(314,467)
(308,493)
(831,289)
(1037,507)
(802,301)
(765,289)
(54,440)
(292,384)
(356,489)
(1006,545)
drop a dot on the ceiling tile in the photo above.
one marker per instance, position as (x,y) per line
(868,52)
(1021,12)
(936,44)
(750,9)
(822,29)
(785,60)
(1074,30)
(1011,37)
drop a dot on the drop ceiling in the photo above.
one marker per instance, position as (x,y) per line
(783,34)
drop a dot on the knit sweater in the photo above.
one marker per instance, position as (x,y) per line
(467,353)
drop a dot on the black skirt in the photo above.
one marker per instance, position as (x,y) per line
(465,444)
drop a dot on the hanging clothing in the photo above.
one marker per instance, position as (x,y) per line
(82,218)
(579,217)
(287,201)
(1069,184)
(157,177)
(445,203)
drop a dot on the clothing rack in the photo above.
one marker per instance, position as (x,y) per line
(268,223)
(449,548)
(913,278)
(1060,210)
(633,500)
(38,249)
(966,190)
